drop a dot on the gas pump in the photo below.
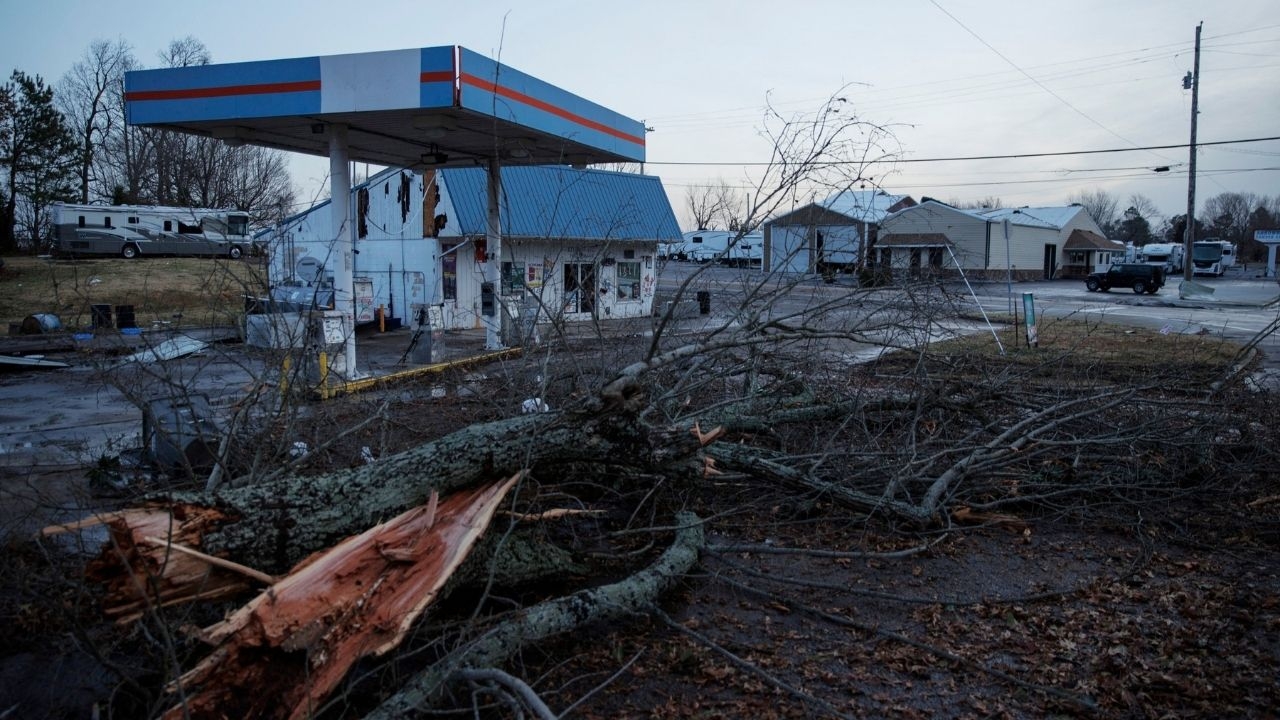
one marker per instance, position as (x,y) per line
(327,359)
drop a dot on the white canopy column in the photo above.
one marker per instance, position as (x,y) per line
(491,313)
(342,261)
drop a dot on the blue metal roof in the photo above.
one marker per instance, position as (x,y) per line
(560,202)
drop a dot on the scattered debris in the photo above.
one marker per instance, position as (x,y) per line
(173,349)
(534,405)
(29,362)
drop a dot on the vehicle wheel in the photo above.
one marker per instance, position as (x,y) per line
(129,252)
(1139,287)
(235,252)
(1092,285)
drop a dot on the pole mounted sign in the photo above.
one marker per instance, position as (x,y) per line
(1029,311)
(1270,238)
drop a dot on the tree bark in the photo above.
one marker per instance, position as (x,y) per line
(277,524)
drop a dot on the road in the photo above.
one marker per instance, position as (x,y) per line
(1241,307)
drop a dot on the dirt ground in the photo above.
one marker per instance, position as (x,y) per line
(795,610)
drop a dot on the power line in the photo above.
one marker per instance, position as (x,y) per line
(1030,77)
(965,158)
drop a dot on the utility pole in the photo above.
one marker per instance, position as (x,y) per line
(1192,80)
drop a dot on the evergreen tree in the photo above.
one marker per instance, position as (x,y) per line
(37,160)
(1176,228)
(1133,228)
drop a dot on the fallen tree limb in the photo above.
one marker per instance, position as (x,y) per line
(512,684)
(272,526)
(276,524)
(608,602)
(762,463)
(280,655)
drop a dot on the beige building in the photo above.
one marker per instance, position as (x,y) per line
(1027,243)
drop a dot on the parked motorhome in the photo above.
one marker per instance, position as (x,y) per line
(1212,256)
(723,246)
(1166,255)
(131,231)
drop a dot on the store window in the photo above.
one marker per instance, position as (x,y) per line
(512,278)
(628,280)
(449,273)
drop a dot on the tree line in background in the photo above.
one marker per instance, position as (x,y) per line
(1230,216)
(69,142)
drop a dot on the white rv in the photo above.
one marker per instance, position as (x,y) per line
(1212,256)
(1166,255)
(722,246)
(131,231)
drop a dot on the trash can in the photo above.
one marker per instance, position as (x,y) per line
(125,318)
(704,302)
(101,315)
(40,323)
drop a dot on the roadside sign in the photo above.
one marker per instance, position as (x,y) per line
(1029,310)
(1267,237)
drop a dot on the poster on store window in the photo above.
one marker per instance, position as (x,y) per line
(533,275)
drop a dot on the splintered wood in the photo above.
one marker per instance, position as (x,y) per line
(283,653)
(141,570)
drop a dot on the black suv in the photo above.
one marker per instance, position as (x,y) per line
(1142,278)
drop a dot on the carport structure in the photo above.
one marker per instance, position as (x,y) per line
(423,108)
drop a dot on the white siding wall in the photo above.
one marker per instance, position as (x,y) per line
(402,265)
(967,233)
(1028,247)
(544,286)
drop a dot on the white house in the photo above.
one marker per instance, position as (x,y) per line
(1025,243)
(829,235)
(577,244)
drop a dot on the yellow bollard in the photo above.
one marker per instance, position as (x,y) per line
(324,375)
(382,318)
(285,367)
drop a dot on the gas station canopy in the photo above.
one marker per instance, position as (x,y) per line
(430,107)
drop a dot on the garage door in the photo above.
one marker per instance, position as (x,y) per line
(789,250)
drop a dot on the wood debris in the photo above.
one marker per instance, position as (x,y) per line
(283,653)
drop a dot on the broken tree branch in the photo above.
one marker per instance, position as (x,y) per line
(553,617)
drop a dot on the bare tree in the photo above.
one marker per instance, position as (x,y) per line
(1101,205)
(1229,213)
(185,52)
(146,165)
(714,206)
(990,202)
(1146,208)
(85,96)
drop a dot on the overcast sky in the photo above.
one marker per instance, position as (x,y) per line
(952,77)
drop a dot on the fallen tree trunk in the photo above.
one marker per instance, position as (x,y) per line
(554,617)
(277,524)
(271,527)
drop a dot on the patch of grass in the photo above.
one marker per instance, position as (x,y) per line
(1082,352)
(206,291)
